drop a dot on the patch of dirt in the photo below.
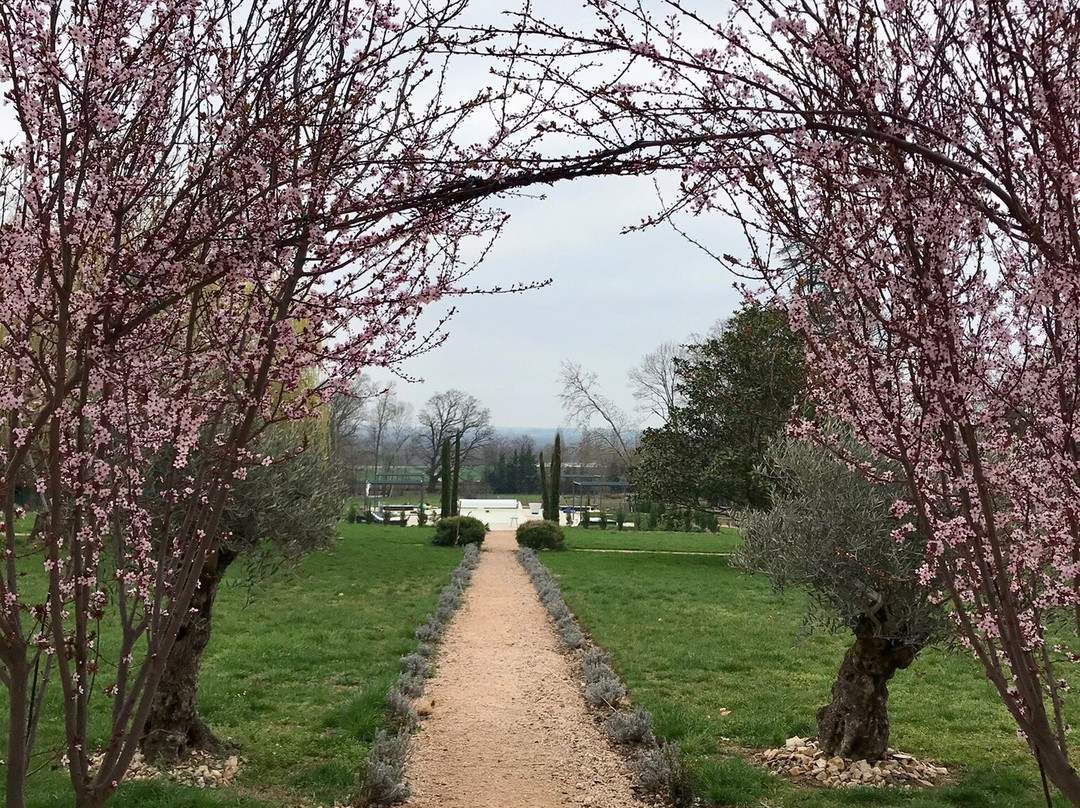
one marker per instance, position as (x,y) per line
(506,723)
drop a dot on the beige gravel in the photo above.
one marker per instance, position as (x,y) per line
(509,726)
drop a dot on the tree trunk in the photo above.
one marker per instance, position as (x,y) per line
(17,763)
(855,725)
(174,729)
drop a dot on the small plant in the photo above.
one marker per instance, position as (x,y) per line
(595,663)
(382,781)
(603,520)
(399,708)
(369,517)
(620,518)
(585,518)
(569,518)
(606,690)
(416,665)
(453,531)
(631,729)
(421,516)
(654,518)
(541,534)
(661,772)
(352,516)
(430,631)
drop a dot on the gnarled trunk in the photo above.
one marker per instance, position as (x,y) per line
(855,724)
(174,728)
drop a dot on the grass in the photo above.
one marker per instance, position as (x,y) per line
(299,677)
(692,637)
(593,538)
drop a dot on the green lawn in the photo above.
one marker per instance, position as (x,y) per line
(593,538)
(299,677)
(692,637)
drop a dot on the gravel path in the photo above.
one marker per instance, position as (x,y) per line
(509,726)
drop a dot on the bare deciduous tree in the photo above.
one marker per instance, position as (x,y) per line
(388,428)
(453,414)
(583,402)
(653,381)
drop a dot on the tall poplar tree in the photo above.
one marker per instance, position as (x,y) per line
(445,483)
(556,479)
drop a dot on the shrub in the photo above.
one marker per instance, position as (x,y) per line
(660,771)
(421,516)
(603,520)
(399,708)
(585,518)
(631,729)
(353,516)
(620,518)
(607,690)
(453,531)
(540,534)
(707,520)
(383,777)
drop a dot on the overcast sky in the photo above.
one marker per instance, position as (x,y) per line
(613,298)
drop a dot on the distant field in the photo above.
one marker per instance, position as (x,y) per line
(723,541)
(299,677)
(693,637)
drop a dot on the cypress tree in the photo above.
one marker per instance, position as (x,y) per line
(457,475)
(444,482)
(556,477)
(545,498)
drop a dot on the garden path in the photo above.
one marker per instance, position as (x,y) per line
(509,726)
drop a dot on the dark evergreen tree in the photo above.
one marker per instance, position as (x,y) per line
(444,482)
(740,390)
(556,477)
(545,497)
(454,507)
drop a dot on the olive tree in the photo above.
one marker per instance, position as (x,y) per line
(829,532)
(278,513)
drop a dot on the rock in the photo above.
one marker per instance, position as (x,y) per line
(801,757)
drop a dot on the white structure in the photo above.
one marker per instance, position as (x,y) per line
(498,514)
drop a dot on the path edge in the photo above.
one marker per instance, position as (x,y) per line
(382,779)
(655,763)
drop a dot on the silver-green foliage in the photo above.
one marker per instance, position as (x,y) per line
(383,778)
(282,511)
(830,532)
(632,728)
